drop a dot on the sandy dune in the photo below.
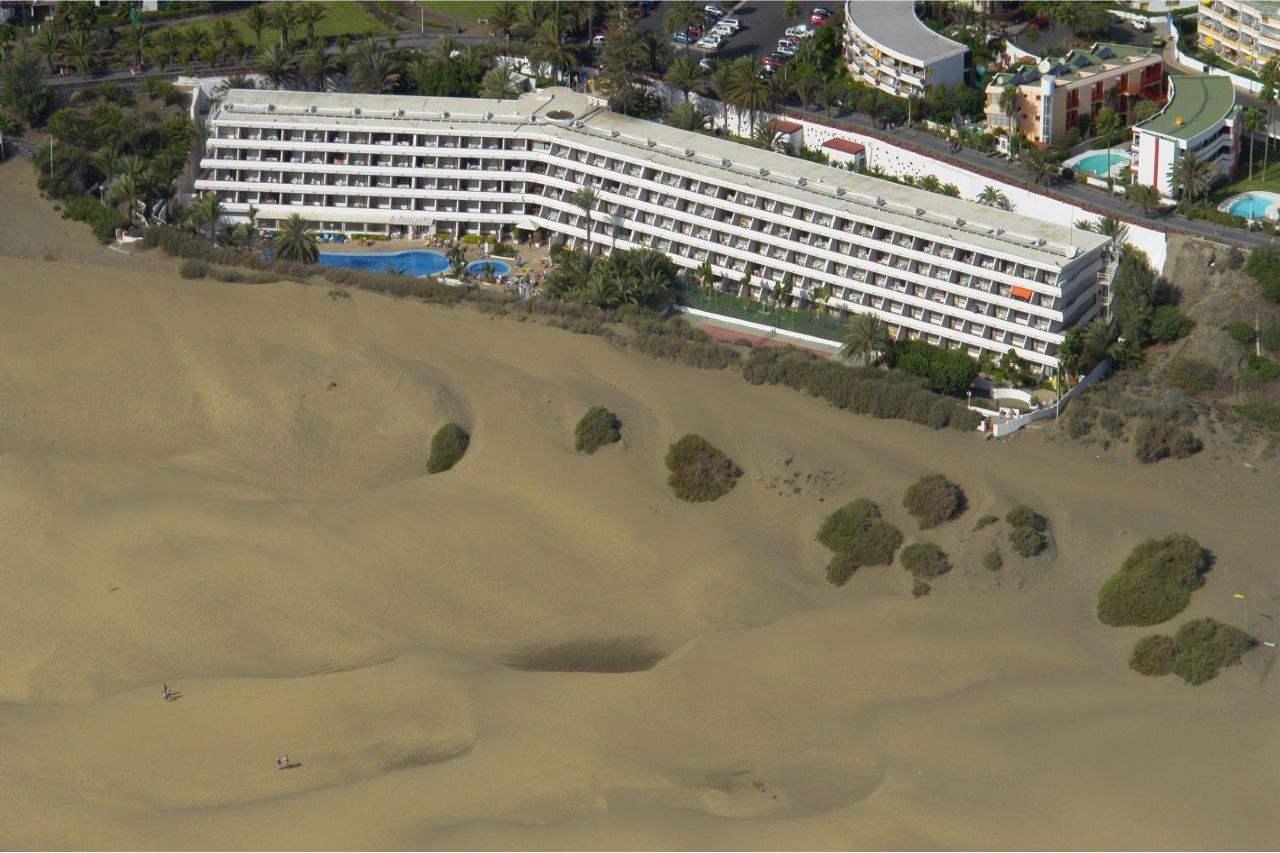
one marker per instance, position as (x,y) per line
(245,464)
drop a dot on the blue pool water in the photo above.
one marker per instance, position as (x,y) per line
(498,269)
(415,262)
(1253,205)
(1098,164)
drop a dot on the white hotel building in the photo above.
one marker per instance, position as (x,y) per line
(951,272)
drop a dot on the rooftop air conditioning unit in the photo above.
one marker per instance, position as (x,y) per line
(488,116)
(649,143)
(688,152)
(762,172)
(400,112)
(839,190)
(879,202)
(725,162)
(312,109)
(355,111)
(958,221)
(919,211)
(613,134)
(271,108)
(444,114)
(229,107)
(801,182)
(997,231)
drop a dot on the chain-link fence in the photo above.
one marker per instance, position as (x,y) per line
(805,321)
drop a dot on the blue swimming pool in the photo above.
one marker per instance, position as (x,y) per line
(1100,162)
(1252,205)
(415,262)
(497,269)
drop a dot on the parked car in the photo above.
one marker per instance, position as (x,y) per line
(789,44)
(710,42)
(800,31)
(818,20)
(722,31)
(713,10)
(696,31)
(598,41)
(1142,25)
(706,64)
(766,72)
(783,50)
(774,60)
(822,10)
(682,38)
(732,22)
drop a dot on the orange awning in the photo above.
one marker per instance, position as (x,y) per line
(1020,293)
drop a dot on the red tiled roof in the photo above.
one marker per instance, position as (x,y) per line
(787,126)
(848,146)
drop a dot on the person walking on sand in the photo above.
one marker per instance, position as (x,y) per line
(166,692)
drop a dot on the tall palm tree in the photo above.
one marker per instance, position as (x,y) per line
(196,40)
(586,198)
(125,189)
(283,16)
(1146,198)
(684,74)
(317,67)
(295,241)
(446,46)
(767,136)
(1107,122)
(257,19)
(687,116)
(1268,97)
(655,50)
(81,49)
(722,80)
(167,42)
(375,72)
(224,34)
(682,15)
(277,64)
(48,43)
(1190,177)
(992,196)
(528,17)
(502,16)
(550,47)
(750,91)
(1116,229)
(803,81)
(1253,122)
(1008,104)
(208,210)
(1041,164)
(310,13)
(500,83)
(133,41)
(604,288)
(865,339)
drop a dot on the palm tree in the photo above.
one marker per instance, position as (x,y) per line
(167,42)
(375,72)
(500,83)
(722,78)
(277,64)
(295,241)
(1116,229)
(234,81)
(551,48)
(682,15)
(125,189)
(208,210)
(683,74)
(48,44)
(284,15)
(310,13)
(1143,196)
(317,67)
(791,11)
(195,41)
(1268,97)
(865,339)
(992,196)
(767,136)
(750,91)
(1041,164)
(687,116)
(1190,177)
(1253,122)
(1009,103)
(81,50)
(586,198)
(502,16)
(1107,122)
(655,50)
(257,19)
(133,41)
(803,81)
(603,288)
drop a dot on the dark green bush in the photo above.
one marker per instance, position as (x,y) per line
(1024,516)
(925,560)
(1262,412)
(700,472)
(1191,374)
(919,588)
(1269,334)
(102,219)
(948,371)
(1168,324)
(932,500)
(1264,266)
(859,537)
(1241,332)
(1155,582)
(1153,655)
(992,561)
(986,521)
(868,391)
(1156,440)
(598,427)
(191,268)
(1204,646)
(1027,531)
(448,446)
(1259,371)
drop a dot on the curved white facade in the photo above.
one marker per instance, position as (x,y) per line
(950,272)
(887,46)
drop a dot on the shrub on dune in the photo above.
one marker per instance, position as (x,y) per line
(859,537)
(699,471)
(925,560)
(598,427)
(1027,528)
(932,500)
(447,447)
(1204,646)
(1155,582)
(1153,655)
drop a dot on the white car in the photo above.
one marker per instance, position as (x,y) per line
(731,22)
(787,47)
(710,42)
(783,50)
(1142,25)
(799,31)
(722,31)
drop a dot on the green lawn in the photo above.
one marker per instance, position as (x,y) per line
(342,17)
(467,10)
(1269,180)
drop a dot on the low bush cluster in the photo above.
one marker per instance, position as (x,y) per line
(1154,583)
(1191,374)
(676,340)
(699,471)
(947,371)
(1259,371)
(1169,323)
(992,561)
(1241,332)
(986,521)
(1028,531)
(868,391)
(925,560)
(932,500)
(1264,267)
(598,427)
(919,588)
(191,268)
(448,446)
(102,219)
(1196,653)
(1262,412)
(1156,440)
(859,537)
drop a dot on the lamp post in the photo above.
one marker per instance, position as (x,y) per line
(1245,604)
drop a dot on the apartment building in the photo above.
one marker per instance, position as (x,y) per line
(948,271)
(887,46)
(1243,33)
(1201,117)
(1056,95)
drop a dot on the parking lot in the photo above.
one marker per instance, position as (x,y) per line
(762,26)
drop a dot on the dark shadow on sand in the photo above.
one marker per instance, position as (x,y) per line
(614,654)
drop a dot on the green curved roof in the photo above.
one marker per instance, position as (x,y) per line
(1200,103)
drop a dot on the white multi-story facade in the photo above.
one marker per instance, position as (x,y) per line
(948,271)
(887,46)
(1243,32)
(1201,118)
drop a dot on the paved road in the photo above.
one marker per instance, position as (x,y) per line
(762,26)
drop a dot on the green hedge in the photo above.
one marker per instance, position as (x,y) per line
(1155,582)
(102,219)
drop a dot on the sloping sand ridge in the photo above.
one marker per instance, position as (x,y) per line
(245,465)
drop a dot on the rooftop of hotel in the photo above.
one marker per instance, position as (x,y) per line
(893,24)
(560,113)
(1077,64)
(1197,105)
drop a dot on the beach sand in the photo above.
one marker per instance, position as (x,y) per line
(246,465)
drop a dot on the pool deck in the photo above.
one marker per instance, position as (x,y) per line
(534,257)
(1272,211)
(1120,160)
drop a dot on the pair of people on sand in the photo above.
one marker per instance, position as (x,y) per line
(282,762)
